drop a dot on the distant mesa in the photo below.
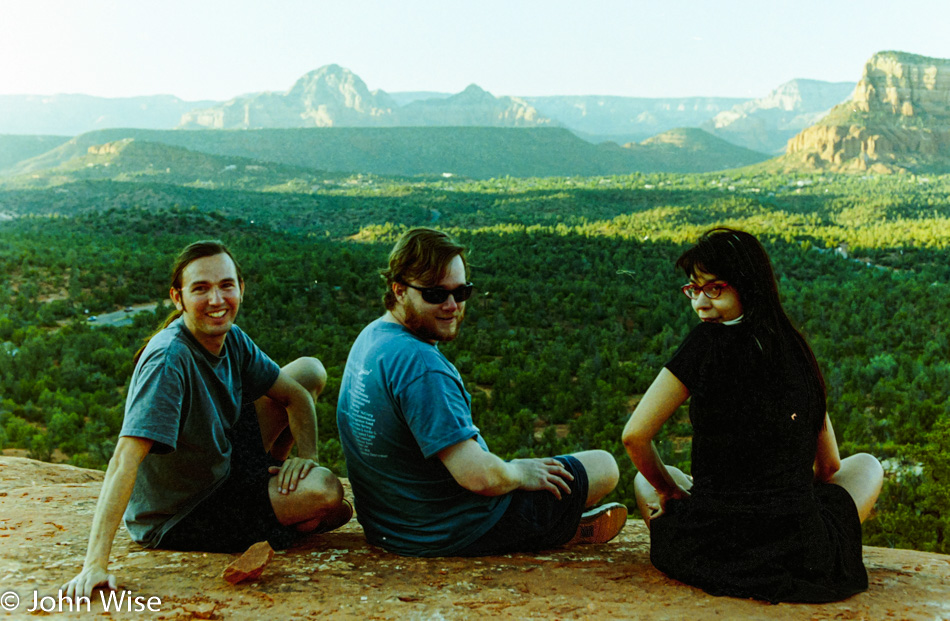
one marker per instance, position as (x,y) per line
(898,119)
(472,107)
(601,118)
(333,96)
(690,149)
(107,155)
(766,124)
(71,114)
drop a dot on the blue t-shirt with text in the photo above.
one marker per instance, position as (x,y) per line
(401,402)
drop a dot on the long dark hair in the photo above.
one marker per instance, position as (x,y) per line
(739,259)
(196,250)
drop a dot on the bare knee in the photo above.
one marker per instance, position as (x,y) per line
(602,473)
(316,495)
(642,487)
(862,476)
(647,498)
(608,472)
(309,373)
(862,468)
(869,464)
(324,491)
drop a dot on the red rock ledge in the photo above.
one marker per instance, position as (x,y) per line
(46,509)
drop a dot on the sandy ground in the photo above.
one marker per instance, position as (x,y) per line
(45,512)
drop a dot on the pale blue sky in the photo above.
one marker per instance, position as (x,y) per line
(218,49)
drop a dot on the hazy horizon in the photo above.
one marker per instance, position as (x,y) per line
(218,50)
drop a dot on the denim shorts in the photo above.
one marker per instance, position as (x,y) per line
(238,513)
(536,520)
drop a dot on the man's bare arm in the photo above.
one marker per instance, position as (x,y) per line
(113,499)
(484,473)
(302,418)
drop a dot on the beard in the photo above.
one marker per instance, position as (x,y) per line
(425,325)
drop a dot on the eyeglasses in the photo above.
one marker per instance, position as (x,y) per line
(710,289)
(438,295)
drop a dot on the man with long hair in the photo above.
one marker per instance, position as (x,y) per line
(203,458)
(424,480)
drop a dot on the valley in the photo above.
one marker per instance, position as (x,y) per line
(576,306)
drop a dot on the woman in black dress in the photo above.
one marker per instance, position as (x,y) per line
(770,511)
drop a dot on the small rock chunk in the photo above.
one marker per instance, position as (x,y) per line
(251,564)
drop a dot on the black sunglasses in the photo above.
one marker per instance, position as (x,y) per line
(438,295)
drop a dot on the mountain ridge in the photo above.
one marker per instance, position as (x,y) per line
(131,159)
(898,120)
(334,96)
(700,144)
(767,123)
(72,114)
(324,97)
(477,152)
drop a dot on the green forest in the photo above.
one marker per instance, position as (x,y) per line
(576,306)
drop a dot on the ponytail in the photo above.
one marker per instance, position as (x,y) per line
(172,316)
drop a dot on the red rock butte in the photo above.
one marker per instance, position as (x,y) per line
(898,119)
(46,510)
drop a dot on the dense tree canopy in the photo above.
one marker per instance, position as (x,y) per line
(576,306)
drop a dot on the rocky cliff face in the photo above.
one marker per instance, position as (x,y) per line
(906,85)
(336,97)
(897,119)
(325,97)
(766,124)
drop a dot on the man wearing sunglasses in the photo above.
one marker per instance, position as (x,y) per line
(424,480)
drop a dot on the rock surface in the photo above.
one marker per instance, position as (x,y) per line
(250,565)
(898,119)
(46,509)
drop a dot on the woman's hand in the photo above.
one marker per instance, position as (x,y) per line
(677,492)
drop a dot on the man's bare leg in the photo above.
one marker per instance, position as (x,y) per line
(602,474)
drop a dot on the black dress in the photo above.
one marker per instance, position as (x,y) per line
(755,524)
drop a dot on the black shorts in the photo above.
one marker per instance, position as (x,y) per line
(536,520)
(239,513)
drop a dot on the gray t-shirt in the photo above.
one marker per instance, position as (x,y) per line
(186,399)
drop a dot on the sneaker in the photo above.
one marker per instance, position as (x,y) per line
(337,519)
(601,524)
